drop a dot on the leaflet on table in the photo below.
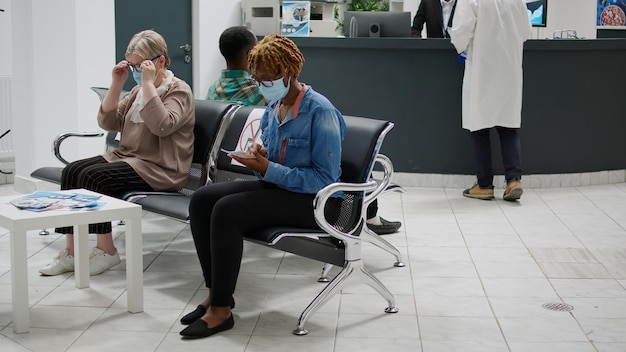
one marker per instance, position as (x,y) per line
(43,201)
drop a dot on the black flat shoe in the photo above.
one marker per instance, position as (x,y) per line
(198,313)
(199,328)
(386,227)
(193,316)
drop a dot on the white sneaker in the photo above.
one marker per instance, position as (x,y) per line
(100,261)
(62,263)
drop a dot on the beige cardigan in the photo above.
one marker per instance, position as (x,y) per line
(161,148)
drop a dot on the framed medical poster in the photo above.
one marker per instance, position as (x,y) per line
(296,16)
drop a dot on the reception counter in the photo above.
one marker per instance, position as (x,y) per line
(573,115)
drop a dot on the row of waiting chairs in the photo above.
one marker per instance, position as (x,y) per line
(219,125)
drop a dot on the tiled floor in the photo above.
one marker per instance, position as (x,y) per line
(478,274)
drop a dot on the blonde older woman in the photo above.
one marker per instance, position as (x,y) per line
(155,121)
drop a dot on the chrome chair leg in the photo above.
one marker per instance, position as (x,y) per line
(353,272)
(324,275)
(333,287)
(381,243)
(373,282)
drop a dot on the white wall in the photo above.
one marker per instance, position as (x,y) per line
(5,38)
(579,15)
(210,19)
(22,85)
(59,48)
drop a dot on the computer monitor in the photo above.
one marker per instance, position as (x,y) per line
(377,23)
(537,12)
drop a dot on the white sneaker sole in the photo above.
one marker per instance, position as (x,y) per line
(101,270)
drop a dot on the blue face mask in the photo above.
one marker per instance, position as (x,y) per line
(137,77)
(277,91)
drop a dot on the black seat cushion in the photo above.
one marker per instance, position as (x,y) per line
(174,205)
(325,248)
(48,173)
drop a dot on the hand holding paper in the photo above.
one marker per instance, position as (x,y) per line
(239,153)
(254,159)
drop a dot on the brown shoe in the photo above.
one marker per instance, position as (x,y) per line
(513,190)
(479,192)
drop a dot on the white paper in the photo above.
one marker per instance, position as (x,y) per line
(239,153)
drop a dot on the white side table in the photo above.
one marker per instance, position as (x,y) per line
(19,221)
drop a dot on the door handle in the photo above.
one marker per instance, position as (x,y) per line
(187,49)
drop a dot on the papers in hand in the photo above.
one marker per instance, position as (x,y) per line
(239,153)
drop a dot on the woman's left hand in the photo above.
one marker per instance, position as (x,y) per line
(258,163)
(148,71)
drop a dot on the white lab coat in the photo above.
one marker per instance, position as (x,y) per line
(492,33)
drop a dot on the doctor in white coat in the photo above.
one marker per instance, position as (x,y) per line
(490,35)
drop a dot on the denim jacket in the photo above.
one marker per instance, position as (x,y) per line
(305,150)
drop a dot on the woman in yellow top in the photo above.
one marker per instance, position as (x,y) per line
(155,121)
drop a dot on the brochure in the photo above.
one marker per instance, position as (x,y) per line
(44,201)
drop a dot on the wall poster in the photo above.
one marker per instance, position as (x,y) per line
(611,13)
(296,15)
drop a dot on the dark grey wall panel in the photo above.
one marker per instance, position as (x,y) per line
(573,116)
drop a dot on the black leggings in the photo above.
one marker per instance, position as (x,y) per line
(98,175)
(220,213)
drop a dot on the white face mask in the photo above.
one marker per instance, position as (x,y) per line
(276,90)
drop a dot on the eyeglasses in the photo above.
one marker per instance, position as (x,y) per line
(137,67)
(268,83)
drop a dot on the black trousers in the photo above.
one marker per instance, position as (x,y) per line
(221,213)
(511,154)
(98,175)
(372,209)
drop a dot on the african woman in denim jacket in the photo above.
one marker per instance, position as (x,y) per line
(301,153)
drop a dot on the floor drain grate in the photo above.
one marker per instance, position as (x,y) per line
(561,307)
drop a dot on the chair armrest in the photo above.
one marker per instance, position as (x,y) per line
(319,203)
(387,165)
(372,189)
(390,185)
(56,143)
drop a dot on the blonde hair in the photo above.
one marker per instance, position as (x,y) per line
(277,53)
(148,44)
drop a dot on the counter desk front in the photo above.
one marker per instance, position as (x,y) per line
(573,115)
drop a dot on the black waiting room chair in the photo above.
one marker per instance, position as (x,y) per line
(226,170)
(340,243)
(208,128)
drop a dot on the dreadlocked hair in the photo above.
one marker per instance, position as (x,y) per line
(277,53)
